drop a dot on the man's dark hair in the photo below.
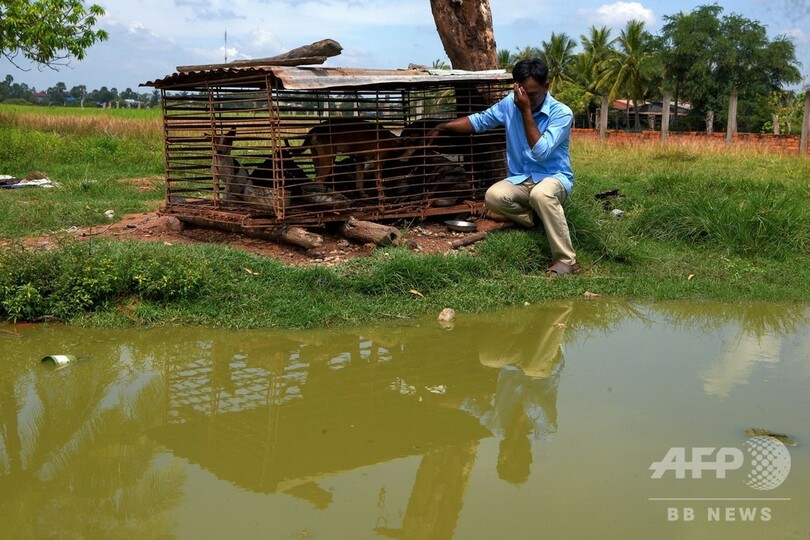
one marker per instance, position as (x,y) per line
(535,68)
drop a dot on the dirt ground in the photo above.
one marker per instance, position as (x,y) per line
(426,237)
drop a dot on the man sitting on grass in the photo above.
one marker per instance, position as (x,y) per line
(540,178)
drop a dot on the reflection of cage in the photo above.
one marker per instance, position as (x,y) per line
(290,415)
(209,388)
(261,146)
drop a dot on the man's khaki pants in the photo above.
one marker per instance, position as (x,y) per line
(520,202)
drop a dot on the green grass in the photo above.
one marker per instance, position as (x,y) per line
(729,225)
(86,152)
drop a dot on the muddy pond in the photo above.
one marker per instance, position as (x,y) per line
(575,419)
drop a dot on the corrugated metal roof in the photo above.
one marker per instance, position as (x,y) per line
(320,77)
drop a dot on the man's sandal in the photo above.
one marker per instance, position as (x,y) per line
(561,269)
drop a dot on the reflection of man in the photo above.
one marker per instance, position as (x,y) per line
(525,402)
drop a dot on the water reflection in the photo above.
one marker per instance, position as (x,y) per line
(74,461)
(105,447)
(529,359)
(762,332)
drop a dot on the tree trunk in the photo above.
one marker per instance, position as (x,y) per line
(805,125)
(775,119)
(731,126)
(675,118)
(465,28)
(665,116)
(603,116)
(709,122)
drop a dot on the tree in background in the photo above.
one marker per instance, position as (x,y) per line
(591,64)
(526,52)
(686,49)
(506,60)
(748,64)
(631,66)
(56,94)
(558,53)
(48,32)
(712,61)
(787,109)
(79,92)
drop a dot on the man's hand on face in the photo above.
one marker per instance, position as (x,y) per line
(522,99)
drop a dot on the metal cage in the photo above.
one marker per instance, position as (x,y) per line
(261,146)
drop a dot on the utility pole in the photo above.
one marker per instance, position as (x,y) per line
(226,46)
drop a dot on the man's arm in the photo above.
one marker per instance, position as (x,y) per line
(461,124)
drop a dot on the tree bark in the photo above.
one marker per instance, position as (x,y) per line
(603,117)
(805,125)
(731,126)
(368,231)
(465,28)
(665,116)
(709,122)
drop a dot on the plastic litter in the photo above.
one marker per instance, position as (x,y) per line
(59,359)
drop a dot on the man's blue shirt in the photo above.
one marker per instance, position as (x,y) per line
(549,157)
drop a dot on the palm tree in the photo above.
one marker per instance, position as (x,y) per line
(506,60)
(597,49)
(559,55)
(527,52)
(630,67)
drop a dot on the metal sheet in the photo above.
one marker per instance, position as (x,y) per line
(320,77)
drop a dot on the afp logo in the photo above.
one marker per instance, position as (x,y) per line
(768,462)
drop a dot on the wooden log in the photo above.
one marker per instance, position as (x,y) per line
(368,231)
(297,236)
(303,61)
(469,239)
(324,47)
(287,234)
(314,53)
(476,237)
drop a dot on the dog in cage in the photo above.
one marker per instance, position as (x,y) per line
(300,191)
(367,143)
(226,169)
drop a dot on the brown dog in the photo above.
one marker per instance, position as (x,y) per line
(366,142)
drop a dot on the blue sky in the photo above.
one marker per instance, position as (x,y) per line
(149,38)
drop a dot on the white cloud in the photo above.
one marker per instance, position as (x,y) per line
(363,14)
(798,35)
(261,39)
(617,14)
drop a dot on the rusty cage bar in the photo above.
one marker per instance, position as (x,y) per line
(257,147)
